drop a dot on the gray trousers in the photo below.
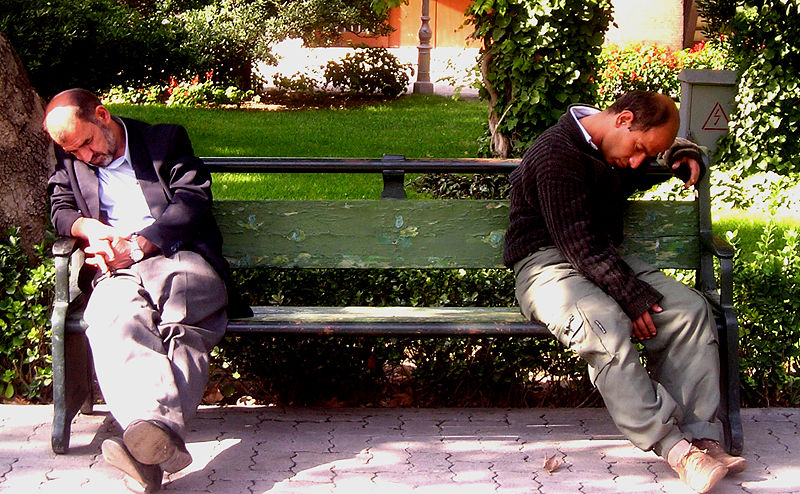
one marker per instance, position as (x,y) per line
(151,328)
(677,395)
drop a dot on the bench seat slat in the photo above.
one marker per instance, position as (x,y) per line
(393,321)
(366,321)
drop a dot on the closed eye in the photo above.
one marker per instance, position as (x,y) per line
(84,144)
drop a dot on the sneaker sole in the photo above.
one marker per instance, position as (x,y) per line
(738,465)
(153,445)
(148,443)
(148,476)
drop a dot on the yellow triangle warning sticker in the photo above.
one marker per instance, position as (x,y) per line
(717,119)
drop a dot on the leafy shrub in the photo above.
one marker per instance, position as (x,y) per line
(320,22)
(195,93)
(26,293)
(297,83)
(756,193)
(147,95)
(226,37)
(452,186)
(368,70)
(91,43)
(537,57)
(638,66)
(654,68)
(767,298)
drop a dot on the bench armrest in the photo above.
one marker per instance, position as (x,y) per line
(68,258)
(65,246)
(724,252)
(70,355)
(718,246)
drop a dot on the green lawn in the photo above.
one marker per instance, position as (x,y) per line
(415,126)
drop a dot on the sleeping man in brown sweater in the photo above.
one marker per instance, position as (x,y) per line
(567,198)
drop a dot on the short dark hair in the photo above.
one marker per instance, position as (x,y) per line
(649,109)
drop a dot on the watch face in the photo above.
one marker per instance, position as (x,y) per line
(137,255)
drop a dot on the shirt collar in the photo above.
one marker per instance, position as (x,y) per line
(580,111)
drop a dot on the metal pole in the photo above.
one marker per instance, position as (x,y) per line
(423,85)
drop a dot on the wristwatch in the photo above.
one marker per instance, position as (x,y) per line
(137,254)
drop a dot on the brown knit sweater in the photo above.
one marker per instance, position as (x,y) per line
(565,194)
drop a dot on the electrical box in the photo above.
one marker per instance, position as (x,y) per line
(706,105)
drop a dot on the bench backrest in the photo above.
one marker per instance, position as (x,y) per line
(421,234)
(391,233)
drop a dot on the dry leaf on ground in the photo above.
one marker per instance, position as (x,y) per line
(552,464)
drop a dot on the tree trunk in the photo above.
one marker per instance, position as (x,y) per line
(499,142)
(26,154)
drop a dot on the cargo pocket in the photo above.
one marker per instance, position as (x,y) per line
(585,337)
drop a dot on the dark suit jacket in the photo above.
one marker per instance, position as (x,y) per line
(176,186)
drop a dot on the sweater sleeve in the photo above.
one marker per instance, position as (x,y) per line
(562,185)
(683,148)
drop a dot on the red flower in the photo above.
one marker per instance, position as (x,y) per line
(698,47)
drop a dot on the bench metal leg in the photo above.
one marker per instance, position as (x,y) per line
(730,414)
(71,356)
(72,374)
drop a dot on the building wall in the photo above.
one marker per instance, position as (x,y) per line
(446,23)
(658,22)
(647,21)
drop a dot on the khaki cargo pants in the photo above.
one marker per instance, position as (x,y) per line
(676,396)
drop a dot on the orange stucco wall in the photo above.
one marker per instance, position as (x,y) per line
(446,22)
(647,21)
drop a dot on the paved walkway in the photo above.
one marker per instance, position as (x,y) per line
(301,450)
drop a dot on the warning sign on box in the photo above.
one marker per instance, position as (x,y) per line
(717,119)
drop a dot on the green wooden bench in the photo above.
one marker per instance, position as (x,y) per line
(395,233)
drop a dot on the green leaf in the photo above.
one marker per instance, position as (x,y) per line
(9,391)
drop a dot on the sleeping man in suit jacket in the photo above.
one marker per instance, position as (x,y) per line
(140,202)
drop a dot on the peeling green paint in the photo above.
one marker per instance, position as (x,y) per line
(420,234)
(495,239)
(297,235)
(411,231)
(251,224)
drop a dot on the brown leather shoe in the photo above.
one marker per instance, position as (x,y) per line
(118,456)
(735,464)
(699,470)
(154,443)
